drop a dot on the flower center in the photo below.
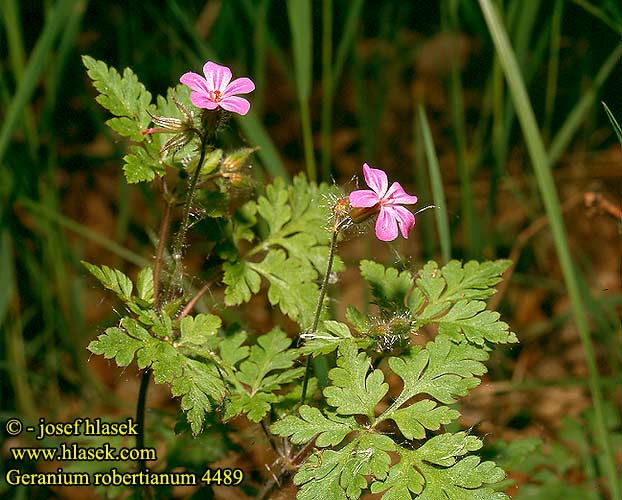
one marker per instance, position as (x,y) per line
(215,95)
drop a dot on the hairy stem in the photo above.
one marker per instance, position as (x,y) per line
(180,238)
(318,308)
(162,237)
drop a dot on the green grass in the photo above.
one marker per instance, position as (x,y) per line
(541,162)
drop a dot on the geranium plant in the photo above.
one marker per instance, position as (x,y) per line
(429,328)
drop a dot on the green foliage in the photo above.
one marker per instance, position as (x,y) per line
(198,384)
(356,431)
(124,96)
(294,249)
(263,370)
(128,100)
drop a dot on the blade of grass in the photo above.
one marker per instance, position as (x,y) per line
(599,14)
(18,366)
(300,25)
(327,87)
(553,67)
(471,234)
(422,184)
(276,52)
(55,72)
(541,165)
(438,194)
(260,46)
(17,56)
(54,25)
(346,39)
(565,134)
(7,273)
(614,122)
(113,247)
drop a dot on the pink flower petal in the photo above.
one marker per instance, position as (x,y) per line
(236,104)
(396,194)
(363,198)
(375,179)
(239,86)
(386,225)
(195,81)
(405,219)
(202,101)
(217,76)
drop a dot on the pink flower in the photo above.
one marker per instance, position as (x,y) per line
(217,89)
(389,201)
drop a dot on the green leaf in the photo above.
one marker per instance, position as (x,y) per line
(360,322)
(402,481)
(414,419)
(432,472)
(344,473)
(465,480)
(198,384)
(115,343)
(197,330)
(144,285)
(231,349)
(124,96)
(264,371)
(353,390)
(294,251)
(162,358)
(389,287)
(329,428)
(292,285)
(454,281)
(451,297)
(141,166)
(326,339)
(241,280)
(442,370)
(469,319)
(112,279)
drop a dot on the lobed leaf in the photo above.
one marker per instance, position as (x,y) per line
(197,330)
(112,279)
(354,390)
(199,384)
(329,428)
(124,96)
(263,371)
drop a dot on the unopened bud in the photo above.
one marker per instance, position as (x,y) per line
(235,161)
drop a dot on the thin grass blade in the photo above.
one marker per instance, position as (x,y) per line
(438,195)
(541,165)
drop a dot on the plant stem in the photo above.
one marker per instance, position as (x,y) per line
(140,421)
(180,238)
(320,302)
(163,236)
